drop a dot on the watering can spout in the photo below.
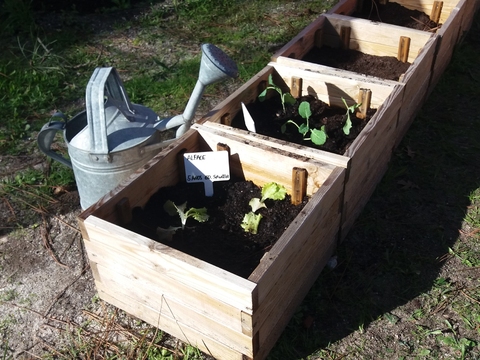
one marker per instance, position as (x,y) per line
(215,66)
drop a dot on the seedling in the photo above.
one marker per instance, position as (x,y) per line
(317,136)
(348,123)
(286,98)
(272,191)
(198,214)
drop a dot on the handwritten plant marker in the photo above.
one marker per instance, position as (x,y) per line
(206,167)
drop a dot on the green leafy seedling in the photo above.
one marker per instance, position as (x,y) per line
(251,221)
(286,98)
(350,110)
(317,136)
(199,214)
(272,191)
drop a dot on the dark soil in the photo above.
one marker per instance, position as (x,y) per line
(221,240)
(384,67)
(395,14)
(269,117)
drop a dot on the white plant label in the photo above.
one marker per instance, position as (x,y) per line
(206,167)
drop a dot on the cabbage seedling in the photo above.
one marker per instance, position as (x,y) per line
(317,136)
(348,123)
(198,214)
(286,98)
(272,191)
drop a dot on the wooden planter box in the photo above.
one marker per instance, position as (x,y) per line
(369,38)
(224,315)
(454,16)
(366,159)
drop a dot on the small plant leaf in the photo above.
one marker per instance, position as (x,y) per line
(273,191)
(303,129)
(170,208)
(256,203)
(283,128)
(348,125)
(263,95)
(250,222)
(318,137)
(198,214)
(304,110)
(288,99)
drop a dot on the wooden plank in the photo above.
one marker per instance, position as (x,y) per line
(321,206)
(303,151)
(301,44)
(427,6)
(185,334)
(331,88)
(372,38)
(369,37)
(348,7)
(185,269)
(128,267)
(252,158)
(269,338)
(170,309)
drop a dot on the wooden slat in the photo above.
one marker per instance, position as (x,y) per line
(311,219)
(268,339)
(348,7)
(302,43)
(185,334)
(128,267)
(253,160)
(139,291)
(185,269)
(448,38)
(326,157)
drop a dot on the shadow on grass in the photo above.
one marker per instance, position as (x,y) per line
(394,251)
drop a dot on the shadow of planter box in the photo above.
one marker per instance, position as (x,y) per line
(374,39)
(225,315)
(367,157)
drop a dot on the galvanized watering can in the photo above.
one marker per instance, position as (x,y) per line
(113,138)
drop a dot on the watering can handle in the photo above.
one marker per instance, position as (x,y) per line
(104,79)
(45,139)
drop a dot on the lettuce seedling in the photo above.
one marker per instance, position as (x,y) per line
(348,123)
(286,98)
(251,221)
(272,191)
(317,136)
(198,214)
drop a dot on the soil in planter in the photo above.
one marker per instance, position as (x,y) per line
(384,67)
(221,240)
(396,14)
(269,118)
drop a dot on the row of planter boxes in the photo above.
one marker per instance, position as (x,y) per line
(232,317)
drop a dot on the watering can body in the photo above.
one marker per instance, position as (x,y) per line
(108,141)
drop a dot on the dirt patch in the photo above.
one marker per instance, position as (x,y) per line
(220,240)
(383,67)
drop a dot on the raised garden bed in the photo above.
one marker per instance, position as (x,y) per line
(454,18)
(225,315)
(366,157)
(375,40)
